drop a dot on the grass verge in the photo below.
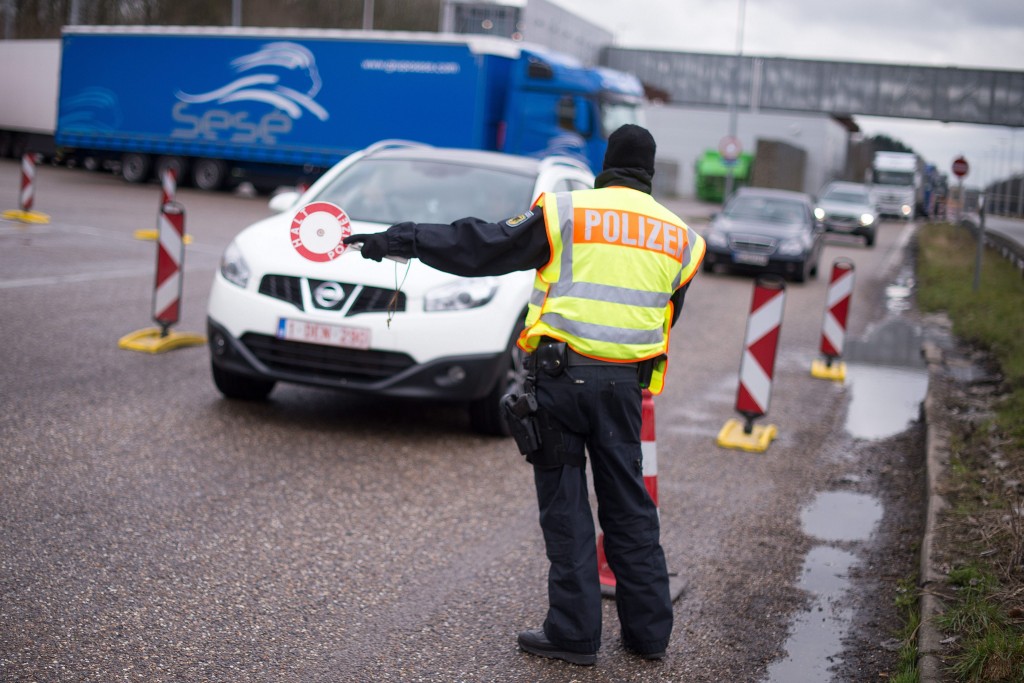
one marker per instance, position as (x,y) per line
(984,527)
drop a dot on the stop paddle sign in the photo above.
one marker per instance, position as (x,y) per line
(960,167)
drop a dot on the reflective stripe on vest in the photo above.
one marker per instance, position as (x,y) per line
(635,254)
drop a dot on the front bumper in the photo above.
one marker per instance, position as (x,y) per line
(842,227)
(778,264)
(385,373)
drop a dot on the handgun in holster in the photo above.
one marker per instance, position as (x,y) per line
(521,415)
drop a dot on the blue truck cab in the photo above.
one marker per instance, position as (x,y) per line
(224,105)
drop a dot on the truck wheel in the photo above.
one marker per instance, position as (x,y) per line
(179,164)
(209,174)
(242,387)
(485,414)
(135,168)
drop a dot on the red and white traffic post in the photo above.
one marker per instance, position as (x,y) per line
(168,186)
(27,194)
(833,329)
(170,268)
(757,367)
(28,178)
(170,262)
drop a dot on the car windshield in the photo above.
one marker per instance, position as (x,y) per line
(427,191)
(847,196)
(769,209)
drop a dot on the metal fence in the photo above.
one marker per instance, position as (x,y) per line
(1006,197)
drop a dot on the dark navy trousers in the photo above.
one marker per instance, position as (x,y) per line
(597,408)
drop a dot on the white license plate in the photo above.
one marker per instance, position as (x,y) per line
(750,259)
(328,335)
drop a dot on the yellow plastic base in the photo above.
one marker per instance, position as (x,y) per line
(26,216)
(733,436)
(150,341)
(153,235)
(835,372)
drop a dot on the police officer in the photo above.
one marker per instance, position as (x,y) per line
(612,267)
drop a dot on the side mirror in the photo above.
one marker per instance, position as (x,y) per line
(283,201)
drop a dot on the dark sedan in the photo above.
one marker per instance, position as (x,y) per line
(766,230)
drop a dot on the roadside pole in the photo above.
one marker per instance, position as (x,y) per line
(979,252)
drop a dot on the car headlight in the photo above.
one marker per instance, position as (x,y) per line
(905,209)
(819,213)
(866,219)
(233,266)
(461,295)
(716,239)
(791,247)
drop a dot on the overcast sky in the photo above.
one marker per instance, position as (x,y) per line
(960,33)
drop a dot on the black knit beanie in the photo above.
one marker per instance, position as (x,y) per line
(630,147)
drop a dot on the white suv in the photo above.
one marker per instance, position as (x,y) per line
(276,316)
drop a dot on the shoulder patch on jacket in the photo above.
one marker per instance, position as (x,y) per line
(513,222)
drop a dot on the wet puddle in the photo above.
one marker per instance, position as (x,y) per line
(815,636)
(884,400)
(887,379)
(841,516)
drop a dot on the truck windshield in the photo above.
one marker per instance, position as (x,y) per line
(893,178)
(427,191)
(615,114)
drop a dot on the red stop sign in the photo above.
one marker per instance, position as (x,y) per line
(960,167)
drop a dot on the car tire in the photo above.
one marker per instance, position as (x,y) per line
(485,414)
(136,168)
(241,387)
(869,239)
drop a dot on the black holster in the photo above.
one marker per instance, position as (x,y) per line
(645,371)
(521,415)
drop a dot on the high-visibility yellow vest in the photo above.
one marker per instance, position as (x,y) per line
(617,256)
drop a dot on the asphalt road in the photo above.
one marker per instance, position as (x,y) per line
(152,531)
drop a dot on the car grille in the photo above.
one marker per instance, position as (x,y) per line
(289,288)
(839,219)
(752,243)
(327,362)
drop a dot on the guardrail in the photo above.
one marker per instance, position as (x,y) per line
(1011,250)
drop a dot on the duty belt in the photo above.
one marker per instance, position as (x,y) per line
(574,359)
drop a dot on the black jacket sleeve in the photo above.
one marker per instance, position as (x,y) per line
(472,247)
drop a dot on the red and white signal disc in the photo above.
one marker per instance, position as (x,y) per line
(318,230)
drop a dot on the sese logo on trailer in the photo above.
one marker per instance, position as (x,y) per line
(282,75)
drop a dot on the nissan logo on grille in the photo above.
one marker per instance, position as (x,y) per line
(328,295)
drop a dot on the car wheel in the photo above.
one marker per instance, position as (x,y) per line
(135,168)
(242,387)
(209,174)
(485,414)
(869,239)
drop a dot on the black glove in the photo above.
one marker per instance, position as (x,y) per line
(375,245)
